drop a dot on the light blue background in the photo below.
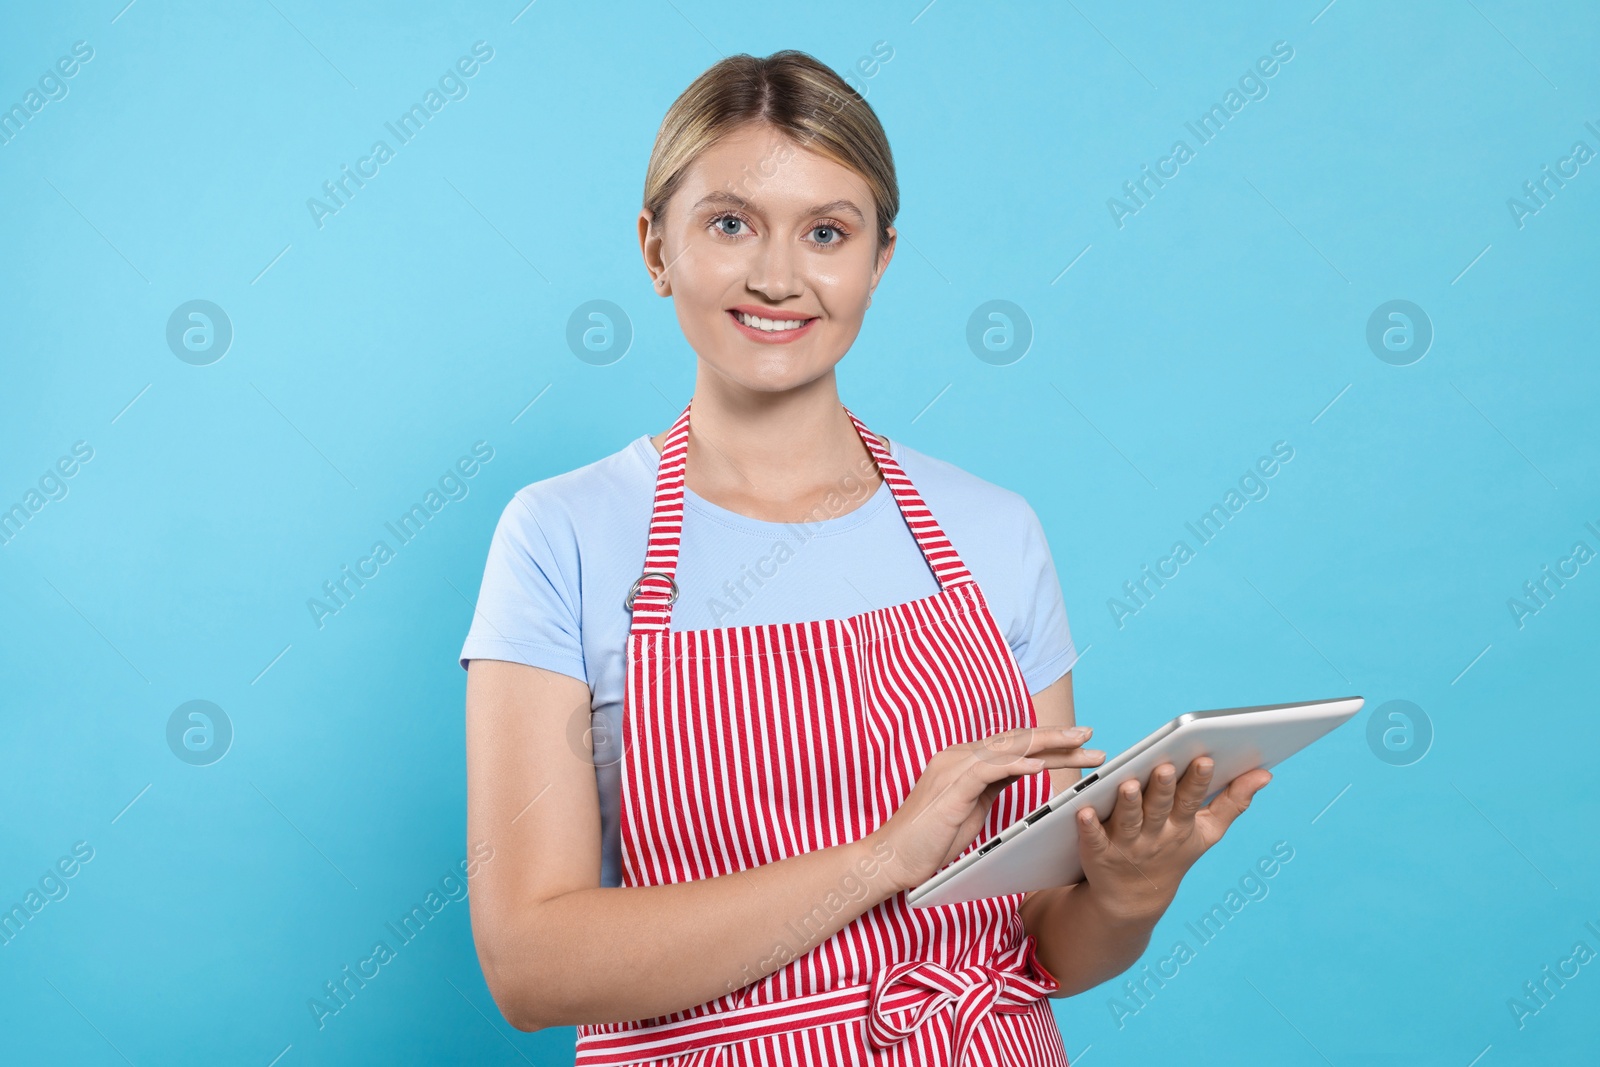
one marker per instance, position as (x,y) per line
(1228,314)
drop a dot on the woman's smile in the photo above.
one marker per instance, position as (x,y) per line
(769,326)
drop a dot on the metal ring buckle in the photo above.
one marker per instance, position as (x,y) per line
(671,599)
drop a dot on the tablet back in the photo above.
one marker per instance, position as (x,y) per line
(1041,850)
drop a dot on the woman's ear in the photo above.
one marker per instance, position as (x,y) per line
(650,245)
(884,256)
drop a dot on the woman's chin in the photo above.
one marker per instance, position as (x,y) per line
(768,373)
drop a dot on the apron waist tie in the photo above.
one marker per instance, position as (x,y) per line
(898,1001)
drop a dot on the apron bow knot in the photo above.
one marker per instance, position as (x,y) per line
(906,995)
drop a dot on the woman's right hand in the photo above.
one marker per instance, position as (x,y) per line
(948,805)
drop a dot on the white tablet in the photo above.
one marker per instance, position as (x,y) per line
(1041,850)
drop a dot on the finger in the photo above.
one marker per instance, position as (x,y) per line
(997,774)
(1192,790)
(1128,815)
(1092,840)
(1059,738)
(1231,802)
(1031,741)
(980,774)
(1158,798)
(1003,745)
(1057,752)
(1060,747)
(1056,736)
(1077,757)
(972,775)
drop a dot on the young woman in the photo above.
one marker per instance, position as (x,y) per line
(736,688)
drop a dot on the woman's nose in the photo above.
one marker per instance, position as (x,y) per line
(774,272)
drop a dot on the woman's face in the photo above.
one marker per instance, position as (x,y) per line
(769,252)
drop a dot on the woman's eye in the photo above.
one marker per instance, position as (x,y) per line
(729,226)
(825,235)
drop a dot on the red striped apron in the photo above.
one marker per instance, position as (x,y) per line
(749,744)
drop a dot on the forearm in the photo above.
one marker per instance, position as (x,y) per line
(614,954)
(1080,941)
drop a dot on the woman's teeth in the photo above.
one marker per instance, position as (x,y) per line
(770,325)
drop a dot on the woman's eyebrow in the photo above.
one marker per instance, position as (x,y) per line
(723,198)
(834,207)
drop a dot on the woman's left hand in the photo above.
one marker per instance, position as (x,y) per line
(1135,859)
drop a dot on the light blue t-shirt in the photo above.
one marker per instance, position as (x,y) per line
(568,548)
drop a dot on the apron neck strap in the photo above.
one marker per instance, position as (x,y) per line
(652,595)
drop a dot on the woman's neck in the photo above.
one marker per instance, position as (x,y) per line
(789,457)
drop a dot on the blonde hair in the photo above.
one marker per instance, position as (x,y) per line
(790,91)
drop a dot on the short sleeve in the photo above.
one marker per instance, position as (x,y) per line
(528,609)
(1040,640)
